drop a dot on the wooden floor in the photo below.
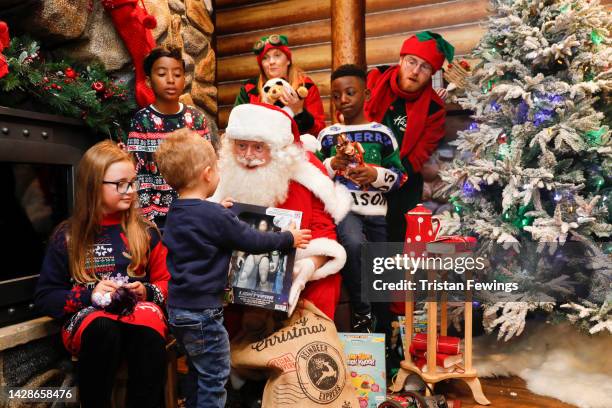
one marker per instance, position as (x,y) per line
(502,392)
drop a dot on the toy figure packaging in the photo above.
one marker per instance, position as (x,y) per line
(263,280)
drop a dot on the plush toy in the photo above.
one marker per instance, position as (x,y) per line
(121,302)
(273,90)
(134,25)
(4,43)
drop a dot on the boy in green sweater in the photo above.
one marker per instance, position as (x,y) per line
(380,173)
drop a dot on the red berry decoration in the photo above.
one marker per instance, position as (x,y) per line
(70,73)
(464,64)
(98,86)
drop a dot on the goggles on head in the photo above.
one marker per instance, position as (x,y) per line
(274,39)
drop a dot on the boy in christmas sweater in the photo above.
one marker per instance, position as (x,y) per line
(165,70)
(368,175)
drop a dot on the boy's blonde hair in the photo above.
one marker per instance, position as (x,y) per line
(183,156)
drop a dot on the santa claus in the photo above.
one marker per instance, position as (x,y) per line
(262,162)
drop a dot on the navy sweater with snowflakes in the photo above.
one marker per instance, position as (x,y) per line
(200,237)
(59,296)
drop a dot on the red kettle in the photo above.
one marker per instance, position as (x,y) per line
(420,225)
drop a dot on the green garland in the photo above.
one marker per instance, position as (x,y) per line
(65,89)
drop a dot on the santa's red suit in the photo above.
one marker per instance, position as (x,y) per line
(322,203)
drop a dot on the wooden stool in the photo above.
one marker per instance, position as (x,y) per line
(432,376)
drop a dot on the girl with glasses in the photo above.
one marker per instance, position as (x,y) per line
(105,245)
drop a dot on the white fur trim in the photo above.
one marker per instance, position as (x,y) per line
(260,124)
(335,197)
(324,247)
(330,171)
(288,110)
(310,143)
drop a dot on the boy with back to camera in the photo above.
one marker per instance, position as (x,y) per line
(165,70)
(380,172)
(200,236)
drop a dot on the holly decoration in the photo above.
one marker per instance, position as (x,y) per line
(62,88)
(70,73)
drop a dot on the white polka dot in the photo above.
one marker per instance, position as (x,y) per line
(418,238)
(430,233)
(408,240)
(420,219)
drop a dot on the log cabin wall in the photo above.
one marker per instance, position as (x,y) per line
(307,23)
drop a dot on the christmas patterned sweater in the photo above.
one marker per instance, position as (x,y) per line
(59,296)
(380,151)
(147,130)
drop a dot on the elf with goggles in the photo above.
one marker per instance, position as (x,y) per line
(274,60)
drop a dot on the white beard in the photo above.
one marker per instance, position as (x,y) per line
(265,185)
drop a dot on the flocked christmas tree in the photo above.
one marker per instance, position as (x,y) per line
(535,166)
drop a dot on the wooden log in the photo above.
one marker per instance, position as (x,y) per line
(387,23)
(440,15)
(255,16)
(229,90)
(348,35)
(309,58)
(373,6)
(385,50)
(224,112)
(298,34)
(348,32)
(274,14)
(226,4)
(280,14)
(380,50)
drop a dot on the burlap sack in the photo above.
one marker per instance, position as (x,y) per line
(305,362)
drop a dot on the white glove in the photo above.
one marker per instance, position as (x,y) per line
(302,272)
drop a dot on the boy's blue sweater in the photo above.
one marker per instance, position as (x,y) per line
(200,237)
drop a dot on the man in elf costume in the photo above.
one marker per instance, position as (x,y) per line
(262,162)
(402,98)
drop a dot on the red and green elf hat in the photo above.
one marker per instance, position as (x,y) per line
(265,44)
(429,46)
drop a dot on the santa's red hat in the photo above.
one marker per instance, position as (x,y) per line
(429,46)
(262,123)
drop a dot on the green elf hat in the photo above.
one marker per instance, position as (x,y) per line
(429,46)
